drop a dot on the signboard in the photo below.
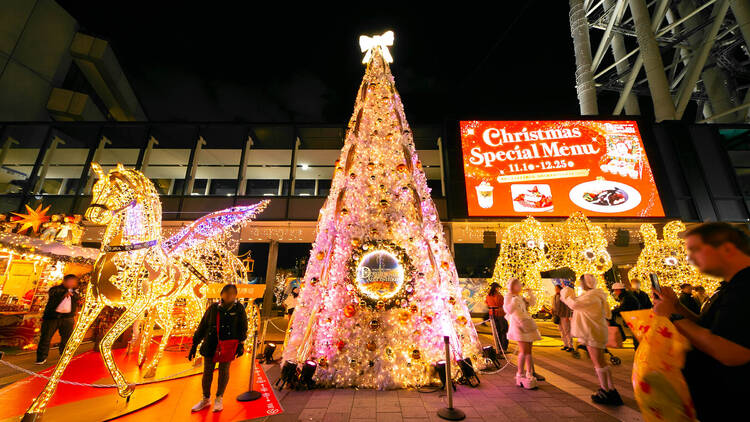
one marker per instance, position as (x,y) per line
(554,168)
(244,291)
(380,275)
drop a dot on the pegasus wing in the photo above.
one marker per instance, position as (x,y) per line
(215,226)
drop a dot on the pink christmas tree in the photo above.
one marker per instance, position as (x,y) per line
(380,290)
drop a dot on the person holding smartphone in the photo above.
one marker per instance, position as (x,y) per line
(523,330)
(717,368)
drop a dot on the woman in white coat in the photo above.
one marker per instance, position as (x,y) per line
(521,329)
(590,314)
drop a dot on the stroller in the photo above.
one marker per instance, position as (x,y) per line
(614,360)
(614,330)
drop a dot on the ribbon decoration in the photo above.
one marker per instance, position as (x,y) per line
(382,41)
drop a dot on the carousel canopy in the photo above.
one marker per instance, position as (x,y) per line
(54,250)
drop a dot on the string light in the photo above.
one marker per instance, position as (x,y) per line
(528,248)
(379,198)
(135,269)
(667,258)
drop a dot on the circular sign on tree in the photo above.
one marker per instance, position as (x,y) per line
(379,272)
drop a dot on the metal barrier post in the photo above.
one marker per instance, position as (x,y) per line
(449,413)
(250,394)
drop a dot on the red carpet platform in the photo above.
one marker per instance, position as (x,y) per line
(183,392)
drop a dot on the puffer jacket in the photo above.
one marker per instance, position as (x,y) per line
(521,326)
(590,314)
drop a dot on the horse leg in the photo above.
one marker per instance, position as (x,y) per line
(165,321)
(126,320)
(147,332)
(91,309)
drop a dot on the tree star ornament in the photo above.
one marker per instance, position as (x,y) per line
(381,42)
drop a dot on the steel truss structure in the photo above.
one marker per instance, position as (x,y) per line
(674,51)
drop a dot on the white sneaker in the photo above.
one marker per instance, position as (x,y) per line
(41,362)
(528,382)
(218,404)
(204,403)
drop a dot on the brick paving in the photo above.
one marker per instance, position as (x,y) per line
(496,399)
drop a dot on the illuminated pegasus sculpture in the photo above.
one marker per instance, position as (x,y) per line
(667,258)
(136,269)
(213,262)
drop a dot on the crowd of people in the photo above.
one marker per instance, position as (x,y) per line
(715,368)
(718,363)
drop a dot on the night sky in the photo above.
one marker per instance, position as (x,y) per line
(302,64)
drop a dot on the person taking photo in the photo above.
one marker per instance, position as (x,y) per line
(717,368)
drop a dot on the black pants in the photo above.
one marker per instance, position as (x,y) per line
(49,326)
(502,331)
(208,376)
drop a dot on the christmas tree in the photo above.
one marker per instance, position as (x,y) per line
(380,289)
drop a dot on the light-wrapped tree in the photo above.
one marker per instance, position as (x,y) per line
(381,289)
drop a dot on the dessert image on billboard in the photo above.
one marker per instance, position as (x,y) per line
(605,196)
(531,198)
(484,194)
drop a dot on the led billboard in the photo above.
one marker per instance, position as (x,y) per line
(554,168)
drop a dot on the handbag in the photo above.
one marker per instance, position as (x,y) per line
(225,349)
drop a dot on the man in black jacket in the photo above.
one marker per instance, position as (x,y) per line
(643,300)
(627,302)
(58,316)
(687,300)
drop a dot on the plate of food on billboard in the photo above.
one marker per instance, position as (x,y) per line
(554,168)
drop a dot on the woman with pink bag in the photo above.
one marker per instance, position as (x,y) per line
(590,314)
(223,329)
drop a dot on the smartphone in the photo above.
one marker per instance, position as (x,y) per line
(655,283)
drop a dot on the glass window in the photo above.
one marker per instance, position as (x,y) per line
(167,161)
(219,159)
(65,159)
(304,187)
(225,187)
(262,187)
(324,187)
(20,147)
(199,186)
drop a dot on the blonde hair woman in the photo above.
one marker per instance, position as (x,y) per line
(590,314)
(522,329)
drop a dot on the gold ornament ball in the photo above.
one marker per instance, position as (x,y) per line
(380,305)
(371,346)
(416,354)
(404,317)
(414,309)
(461,320)
(323,362)
(374,325)
(320,255)
(452,300)
(344,211)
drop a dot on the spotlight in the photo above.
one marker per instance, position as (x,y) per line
(306,376)
(288,375)
(490,354)
(440,368)
(268,352)
(468,375)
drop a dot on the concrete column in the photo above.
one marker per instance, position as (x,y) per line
(442,168)
(618,52)
(293,170)
(741,12)
(45,166)
(242,174)
(699,58)
(579,30)
(664,108)
(194,166)
(147,154)
(97,156)
(273,255)
(6,148)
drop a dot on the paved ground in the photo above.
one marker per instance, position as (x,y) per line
(564,396)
